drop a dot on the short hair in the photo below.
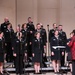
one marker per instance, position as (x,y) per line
(56,30)
(54,23)
(9,24)
(29,18)
(36,33)
(38,23)
(60,25)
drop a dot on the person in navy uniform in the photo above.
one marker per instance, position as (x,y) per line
(31,29)
(43,35)
(25,35)
(30,25)
(4,25)
(2,48)
(56,52)
(51,32)
(42,32)
(19,51)
(24,31)
(37,51)
(8,35)
(63,36)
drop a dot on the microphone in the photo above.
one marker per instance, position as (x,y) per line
(48,25)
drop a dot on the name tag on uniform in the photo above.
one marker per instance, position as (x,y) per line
(35,40)
(4,26)
(23,31)
(7,31)
(17,41)
(52,31)
(54,39)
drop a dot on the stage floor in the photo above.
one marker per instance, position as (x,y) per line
(47,74)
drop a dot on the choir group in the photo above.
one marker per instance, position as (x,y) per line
(28,42)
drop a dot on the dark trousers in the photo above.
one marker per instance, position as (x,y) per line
(29,52)
(19,64)
(9,51)
(62,59)
(73,67)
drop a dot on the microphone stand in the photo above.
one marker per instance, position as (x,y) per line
(19,47)
(25,57)
(48,38)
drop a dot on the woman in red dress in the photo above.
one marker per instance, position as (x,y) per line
(71,44)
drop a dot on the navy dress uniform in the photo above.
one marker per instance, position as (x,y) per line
(2,50)
(20,49)
(37,49)
(31,29)
(8,35)
(43,35)
(4,26)
(63,36)
(51,34)
(57,51)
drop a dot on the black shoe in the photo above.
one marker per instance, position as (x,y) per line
(55,72)
(39,73)
(58,72)
(35,73)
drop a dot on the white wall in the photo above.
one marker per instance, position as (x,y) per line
(7,9)
(44,11)
(25,9)
(47,12)
(67,15)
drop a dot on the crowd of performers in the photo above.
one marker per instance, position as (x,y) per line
(29,41)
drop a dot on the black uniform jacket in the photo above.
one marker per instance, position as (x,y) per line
(55,42)
(51,34)
(43,35)
(63,36)
(30,26)
(4,26)
(19,46)
(37,46)
(25,34)
(2,45)
(8,35)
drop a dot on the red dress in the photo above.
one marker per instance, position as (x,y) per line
(72,45)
